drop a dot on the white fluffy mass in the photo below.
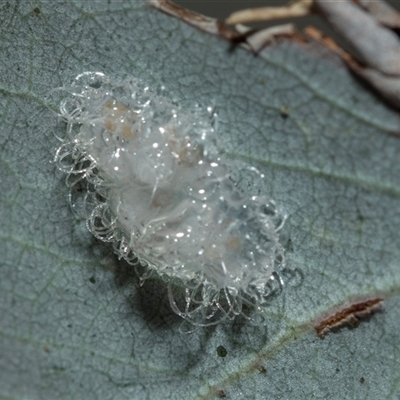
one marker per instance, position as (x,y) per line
(156,187)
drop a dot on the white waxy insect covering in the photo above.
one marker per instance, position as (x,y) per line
(159,190)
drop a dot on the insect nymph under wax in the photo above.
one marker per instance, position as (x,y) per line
(158,189)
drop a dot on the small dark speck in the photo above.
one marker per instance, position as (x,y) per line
(221,351)
(46,349)
(221,393)
(362,380)
(36,10)
(289,245)
(262,369)
(92,279)
(285,111)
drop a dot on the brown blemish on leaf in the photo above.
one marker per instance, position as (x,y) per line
(349,316)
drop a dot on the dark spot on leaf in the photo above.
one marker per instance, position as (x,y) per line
(221,393)
(36,10)
(262,369)
(221,351)
(95,85)
(289,246)
(92,279)
(285,111)
(362,380)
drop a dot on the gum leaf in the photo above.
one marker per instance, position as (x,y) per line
(75,321)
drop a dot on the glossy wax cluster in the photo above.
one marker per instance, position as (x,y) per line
(157,188)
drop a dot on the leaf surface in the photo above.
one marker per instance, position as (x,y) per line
(76,324)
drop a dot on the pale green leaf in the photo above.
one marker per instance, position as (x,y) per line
(74,322)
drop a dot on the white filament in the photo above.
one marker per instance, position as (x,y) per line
(157,188)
